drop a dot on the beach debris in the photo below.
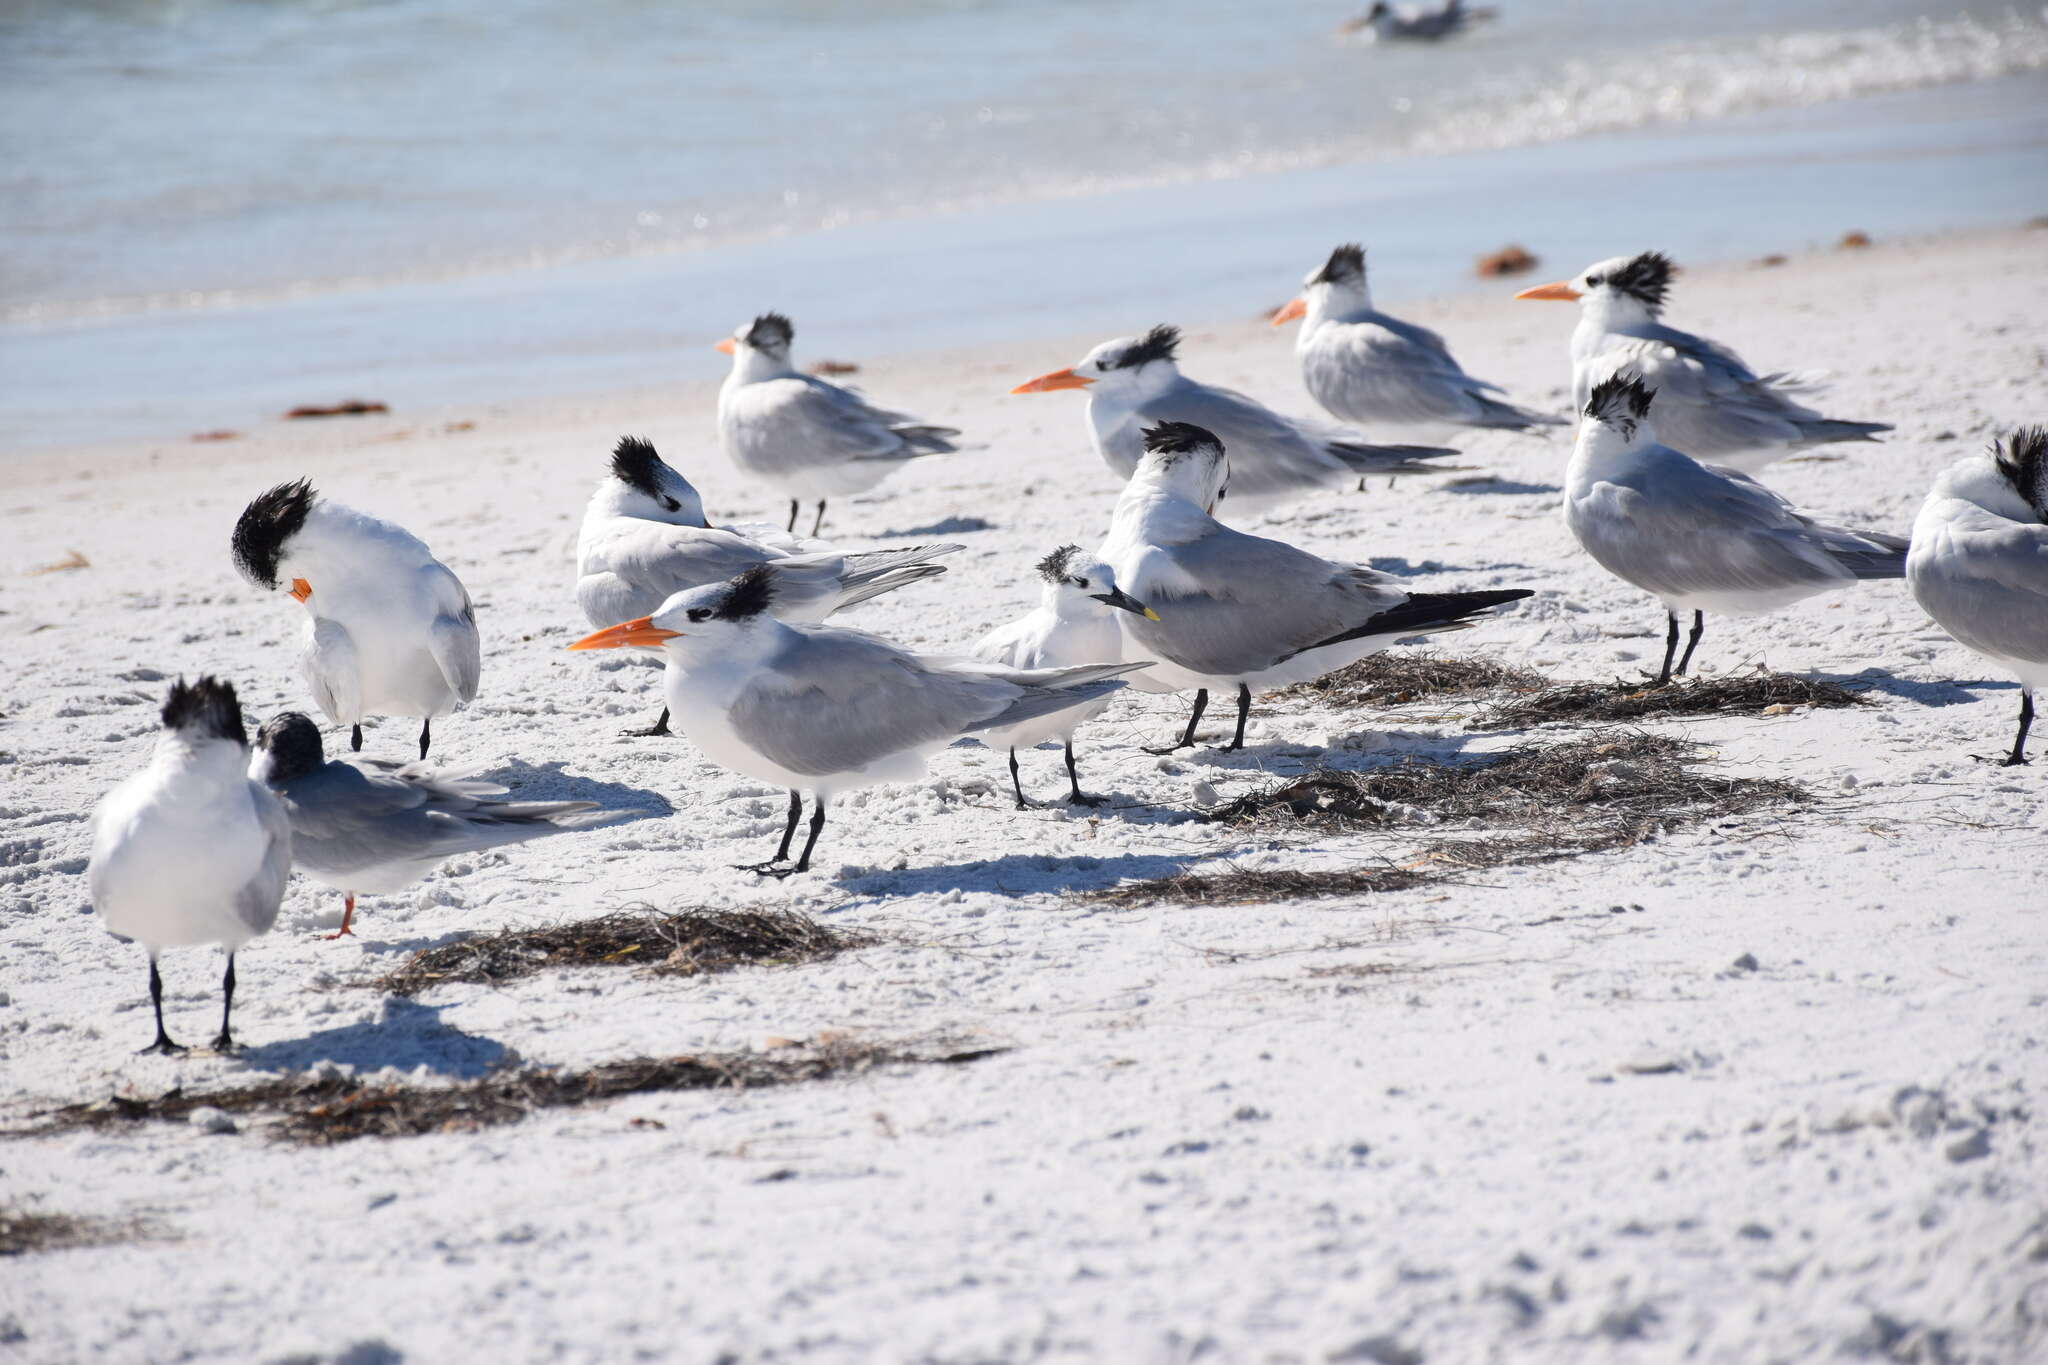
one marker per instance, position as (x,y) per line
(827,368)
(1392,678)
(22,1232)
(353,407)
(1755,693)
(223,434)
(1774,259)
(1853,240)
(72,560)
(1512,259)
(688,943)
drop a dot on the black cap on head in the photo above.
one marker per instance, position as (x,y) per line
(771,332)
(293,742)
(265,525)
(1158,344)
(1178,438)
(1621,400)
(635,464)
(2022,457)
(1054,566)
(1345,266)
(1646,278)
(749,595)
(206,708)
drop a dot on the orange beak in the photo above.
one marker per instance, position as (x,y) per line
(727,346)
(638,632)
(300,590)
(1560,291)
(1058,379)
(1291,310)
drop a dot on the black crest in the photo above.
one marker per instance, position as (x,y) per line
(1345,266)
(635,464)
(206,708)
(1158,344)
(265,525)
(2022,456)
(1621,400)
(293,742)
(749,595)
(1646,278)
(1178,438)
(771,332)
(1053,567)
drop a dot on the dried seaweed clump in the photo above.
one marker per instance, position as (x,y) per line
(684,944)
(1604,791)
(22,1232)
(1741,694)
(323,1110)
(1394,677)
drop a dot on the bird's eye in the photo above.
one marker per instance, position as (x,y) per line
(1593,281)
(1080,582)
(671,504)
(700,613)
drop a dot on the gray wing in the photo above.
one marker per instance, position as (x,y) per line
(1270,455)
(632,572)
(837,424)
(453,638)
(257,900)
(1990,591)
(1380,369)
(1232,603)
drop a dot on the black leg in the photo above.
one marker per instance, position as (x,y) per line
(658,730)
(226,1043)
(796,810)
(1188,738)
(1244,709)
(1075,794)
(1692,641)
(791,528)
(820,521)
(163,1045)
(1016,785)
(1670,647)
(803,864)
(426,736)
(355,738)
(2019,743)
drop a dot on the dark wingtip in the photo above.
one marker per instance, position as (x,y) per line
(1177,438)
(1054,566)
(749,595)
(206,707)
(1158,344)
(271,518)
(1621,398)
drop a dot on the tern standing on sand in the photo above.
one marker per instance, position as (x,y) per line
(190,850)
(1367,367)
(1979,562)
(1709,404)
(802,436)
(1699,537)
(1133,382)
(645,539)
(1074,623)
(823,709)
(369,826)
(1240,611)
(389,630)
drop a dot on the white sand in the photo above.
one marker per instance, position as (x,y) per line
(1199,1148)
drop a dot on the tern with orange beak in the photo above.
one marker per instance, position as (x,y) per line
(824,710)
(804,437)
(389,630)
(1240,611)
(1366,367)
(1134,382)
(1709,403)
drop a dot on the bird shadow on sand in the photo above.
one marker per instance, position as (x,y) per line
(951,526)
(1353,752)
(1469,487)
(1958,692)
(548,782)
(1021,874)
(407,1035)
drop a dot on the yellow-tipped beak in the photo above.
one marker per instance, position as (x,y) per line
(638,632)
(1149,614)
(727,346)
(1289,311)
(1058,379)
(300,590)
(1560,291)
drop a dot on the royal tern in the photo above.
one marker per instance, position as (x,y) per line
(824,709)
(367,826)
(1416,25)
(1072,625)
(803,436)
(389,630)
(1709,404)
(1699,537)
(1979,562)
(1375,370)
(1133,382)
(645,539)
(190,850)
(1236,610)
